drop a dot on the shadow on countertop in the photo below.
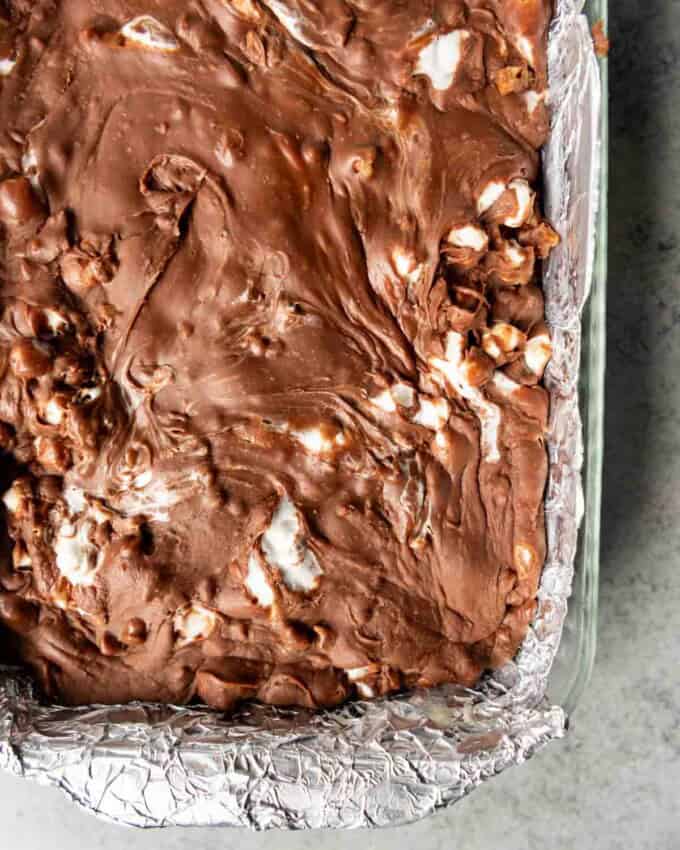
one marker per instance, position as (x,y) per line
(644,267)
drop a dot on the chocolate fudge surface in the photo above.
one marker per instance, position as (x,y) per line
(271,344)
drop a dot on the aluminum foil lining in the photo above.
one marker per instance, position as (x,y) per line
(366,764)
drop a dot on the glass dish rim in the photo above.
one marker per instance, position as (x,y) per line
(576,654)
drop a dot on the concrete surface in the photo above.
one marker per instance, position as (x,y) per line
(615,782)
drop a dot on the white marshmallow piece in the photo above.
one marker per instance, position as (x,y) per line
(285,550)
(440,58)
(490,194)
(153,495)
(313,440)
(406,266)
(452,369)
(76,553)
(318,443)
(532,100)
(399,394)
(55,321)
(526,49)
(78,557)
(12,499)
(29,166)
(506,386)
(442,440)
(491,346)
(257,582)
(404,395)
(525,203)
(384,401)
(356,673)
(524,197)
(525,558)
(501,338)
(514,255)
(54,412)
(468,236)
(537,353)
(29,161)
(75,499)
(194,623)
(7,66)
(290,22)
(150,33)
(432,413)
(139,482)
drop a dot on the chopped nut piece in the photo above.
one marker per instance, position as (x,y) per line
(512,79)
(510,263)
(364,163)
(52,454)
(600,40)
(541,237)
(29,358)
(502,339)
(81,271)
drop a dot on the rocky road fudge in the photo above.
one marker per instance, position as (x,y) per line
(271,344)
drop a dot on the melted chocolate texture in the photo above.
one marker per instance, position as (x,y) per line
(271,344)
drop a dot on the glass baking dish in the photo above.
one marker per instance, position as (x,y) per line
(148,765)
(574,661)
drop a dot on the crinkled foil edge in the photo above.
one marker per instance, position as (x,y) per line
(394,760)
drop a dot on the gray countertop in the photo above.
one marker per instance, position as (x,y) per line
(615,781)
